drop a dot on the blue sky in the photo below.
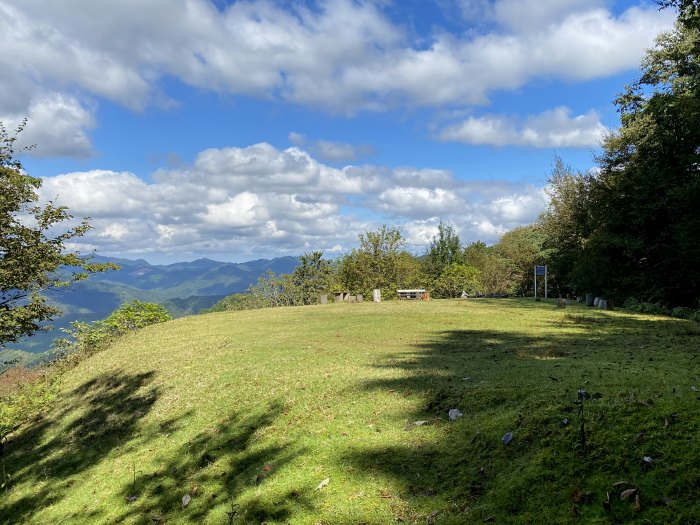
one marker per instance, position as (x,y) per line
(238,130)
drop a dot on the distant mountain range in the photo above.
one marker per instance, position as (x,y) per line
(183,288)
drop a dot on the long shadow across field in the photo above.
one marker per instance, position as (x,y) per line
(213,471)
(527,385)
(101,416)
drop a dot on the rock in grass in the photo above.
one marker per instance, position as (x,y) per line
(626,494)
(454,414)
(323,483)
(420,423)
(186,500)
(507,438)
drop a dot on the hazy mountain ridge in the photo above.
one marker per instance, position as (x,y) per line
(184,288)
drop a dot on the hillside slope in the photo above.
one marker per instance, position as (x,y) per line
(184,288)
(244,414)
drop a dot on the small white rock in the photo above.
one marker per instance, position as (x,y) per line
(454,414)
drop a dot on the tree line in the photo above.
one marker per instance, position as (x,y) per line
(631,228)
(447,269)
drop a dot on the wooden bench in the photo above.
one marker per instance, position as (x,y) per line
(416,294)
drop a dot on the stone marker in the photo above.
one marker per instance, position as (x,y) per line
(603,304)
(561,303)
(339,297)
(596,301)
(377,295)
(360,298)
(324,299)
(589,299)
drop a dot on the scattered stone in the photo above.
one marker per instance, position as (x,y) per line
(420,423)
(648,460)
(454,414)
(323,484)
(507,438)
(626,494)
(131,499)
(186,500)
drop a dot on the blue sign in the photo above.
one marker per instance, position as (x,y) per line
(540,270)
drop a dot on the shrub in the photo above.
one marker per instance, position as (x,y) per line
(458,278)
(87,338)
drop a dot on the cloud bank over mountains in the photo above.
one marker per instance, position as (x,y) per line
(260,200)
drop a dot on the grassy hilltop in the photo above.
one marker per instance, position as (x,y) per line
(246,413)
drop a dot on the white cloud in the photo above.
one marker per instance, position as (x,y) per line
(100,193)
(342,56)
(57,124)
(418,202)
(555,128)
(524,16)
(224,203)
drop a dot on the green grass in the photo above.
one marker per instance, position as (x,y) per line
(247,412)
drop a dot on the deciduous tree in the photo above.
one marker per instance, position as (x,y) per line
(33,255)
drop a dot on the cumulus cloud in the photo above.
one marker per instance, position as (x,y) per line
(555,128)
(339,55)
(56,123)
(258,201)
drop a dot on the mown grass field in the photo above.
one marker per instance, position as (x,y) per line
(248,412)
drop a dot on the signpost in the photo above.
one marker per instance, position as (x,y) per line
(542,272)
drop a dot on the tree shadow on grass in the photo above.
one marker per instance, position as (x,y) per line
(87,424)
(225,473)
(528,385)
